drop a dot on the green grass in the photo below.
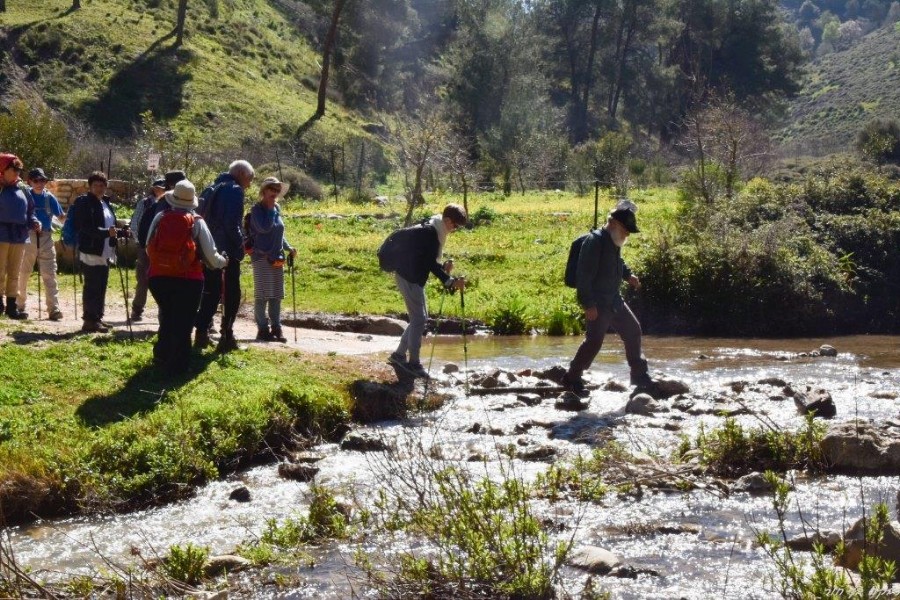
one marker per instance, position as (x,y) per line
(88,424)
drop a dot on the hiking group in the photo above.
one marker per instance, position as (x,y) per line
(190,249)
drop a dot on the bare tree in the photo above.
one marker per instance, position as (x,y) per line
(327,51)
(456,159)
(179,23)
(418,137)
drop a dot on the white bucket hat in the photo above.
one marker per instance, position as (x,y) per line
(282,186)
(184,196)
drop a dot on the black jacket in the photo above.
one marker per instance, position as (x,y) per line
(601,271)
(420,255)
(87,212)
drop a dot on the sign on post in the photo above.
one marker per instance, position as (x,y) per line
(153,161)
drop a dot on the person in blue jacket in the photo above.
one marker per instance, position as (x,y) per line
(16,220)
(41,249)
(222,206)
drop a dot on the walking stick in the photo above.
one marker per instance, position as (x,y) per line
(37,236)
(462,306)
(293,293)
(125,294)
(75,279)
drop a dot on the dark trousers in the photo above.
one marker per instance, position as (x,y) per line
(93,294)
(212,292)
(178,300)
(141,272)
(626,325)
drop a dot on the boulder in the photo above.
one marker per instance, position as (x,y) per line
(554,374)
(614,386)
(361,441)
(773,381)
(529,399)
(297,471)
(817,402)
(644,404)
(804,543)
(594,559)
(382,326)
(369,324)
(451,368)
(663,388)
(241,494)
(374,401)
(859,447)
(569,401)
(826,350)
(752,483)
(856,545)
(215,565)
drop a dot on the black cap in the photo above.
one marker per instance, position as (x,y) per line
(627,218)
(173,177)
(36,174)
(160,183)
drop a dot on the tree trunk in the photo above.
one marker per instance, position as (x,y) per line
(2,5)
(581,126)
(330,38)
(76,4)
(179,22)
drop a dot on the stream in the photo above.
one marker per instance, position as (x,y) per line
(699,543)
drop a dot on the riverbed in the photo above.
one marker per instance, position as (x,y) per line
(700,543)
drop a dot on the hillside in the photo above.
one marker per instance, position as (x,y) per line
(244,72)
(844,90)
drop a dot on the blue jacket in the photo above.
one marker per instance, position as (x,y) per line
(222,207)
(267,229)
(46,206)
(16,215)
(601,272)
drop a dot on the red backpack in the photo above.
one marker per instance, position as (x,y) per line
(173,251)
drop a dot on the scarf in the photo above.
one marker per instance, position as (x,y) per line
(437,221)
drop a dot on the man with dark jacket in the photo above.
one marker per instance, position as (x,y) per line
(95,222)
(222,206)
(143,216)
(423,246)
(601,272)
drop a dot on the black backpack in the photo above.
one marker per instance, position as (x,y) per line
(395,247)
(571,276)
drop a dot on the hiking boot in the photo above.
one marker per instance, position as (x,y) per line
(94,327)
(202,341)
(575,385)
(56,315)
(12,310)
(278,336)
(417,370)
(397,360)
(136,317)
(263,335)
(105,324)
(227,343)
(642,380)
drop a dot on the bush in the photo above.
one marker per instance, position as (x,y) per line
(302,185)
(36,136)
(484,215)
(566,318)
(879,141)
(509,317)
(185,563)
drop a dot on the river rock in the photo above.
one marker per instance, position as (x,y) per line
(216,565)
(307,457)
(855,544)
(752,483)
(241,494)
(614,386)
(297,471)
(554,374)
(370,324)
(804,543)
(374,401)
(737,386)
(569,401)
(537,453)
(451,368)
(663,388)
(817,402)
(363,441)
(529,399)
(594,559)
(826,350)
(773,381)
(883,395)
(860,447)
(644,404)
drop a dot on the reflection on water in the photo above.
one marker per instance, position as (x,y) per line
(715,557)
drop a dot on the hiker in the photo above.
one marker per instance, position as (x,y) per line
(95,222)
(40,247)
(16,219)
(422,249)
(143,216)
(222,207)
(177,241)
(142,263)
(267,248)
(601,271)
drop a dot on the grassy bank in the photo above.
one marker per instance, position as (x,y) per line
(88,424)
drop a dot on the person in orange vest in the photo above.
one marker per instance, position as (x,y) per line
(179,244)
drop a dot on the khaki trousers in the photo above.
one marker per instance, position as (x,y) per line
(46,258)
(10,265)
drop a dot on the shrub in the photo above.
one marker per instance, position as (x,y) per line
(36,136)
(302,185)
(566,318)
(484,215)
(185,563)
(879,141)
(509,317)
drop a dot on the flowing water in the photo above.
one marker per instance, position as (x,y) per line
(705,548)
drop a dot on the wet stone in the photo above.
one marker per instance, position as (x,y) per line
(614,386)
(773,381)
(857,546)
(737,386)
(363,442)
(817,402)
(537,453)
(826,350)
(804,543)
(752,483)
(307,456)
(475,428)
(883,395)
(569,401)
(554,374)
(216,565)
(297,471)
(861,447)
(644,404)
(241,494)
(451,368)
(663,388)
(529,399)
(594,559)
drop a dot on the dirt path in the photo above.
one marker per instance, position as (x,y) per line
(308,340)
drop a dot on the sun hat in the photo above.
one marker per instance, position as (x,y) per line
(273,182)
(184,196)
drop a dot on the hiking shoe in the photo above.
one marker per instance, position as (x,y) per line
(263,335)
(94,327)
(642,381)
(105,324)
(136,317)
(397,360)
(575,385)
(202,341)
(227,343)
(56,315)
(278,336)
(417,370)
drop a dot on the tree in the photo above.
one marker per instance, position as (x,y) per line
(76,4)
(330,39)
(456,159)
(36,136)
(879,141)
(179,22)
(418,137)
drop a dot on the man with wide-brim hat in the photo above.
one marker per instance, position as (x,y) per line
(179,244)
(142,263)
(601,272)
(41,248)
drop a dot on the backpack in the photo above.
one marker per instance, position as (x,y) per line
(571,276)
(249,235)
(394,248)
(150,212)
(173,251)
(69,233)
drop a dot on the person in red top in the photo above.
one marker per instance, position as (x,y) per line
(178,245)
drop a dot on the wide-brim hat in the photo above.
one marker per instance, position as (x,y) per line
(184,196)
(627,218)
(282,186)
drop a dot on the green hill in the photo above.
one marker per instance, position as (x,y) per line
(845,89)
(245,72)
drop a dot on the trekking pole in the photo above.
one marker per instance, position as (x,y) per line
(37,236)
(75,279)
(596,200)
(462,306)
(124,293)
(293,293)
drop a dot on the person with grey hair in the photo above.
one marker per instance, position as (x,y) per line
(222,206)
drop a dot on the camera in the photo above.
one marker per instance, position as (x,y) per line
(123,233)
